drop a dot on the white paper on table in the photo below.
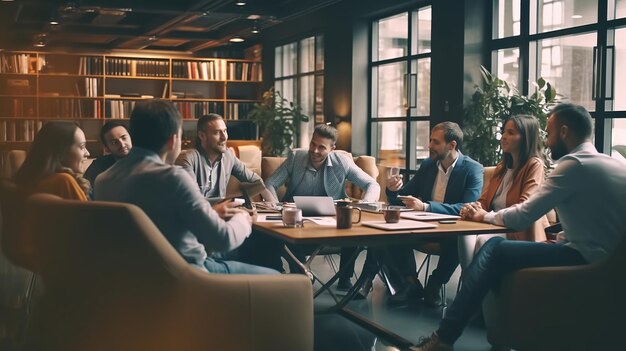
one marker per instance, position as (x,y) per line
(262,218)
(427,216)
(326,221)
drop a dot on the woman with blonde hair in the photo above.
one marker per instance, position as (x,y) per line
(54,162)
(515,178)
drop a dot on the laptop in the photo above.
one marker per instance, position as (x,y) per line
(315,205)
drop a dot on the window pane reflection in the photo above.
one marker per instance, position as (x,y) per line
(389,99)
(421,137)
(618,138)
(319,100)
(289,59)
(617,9)
(422,67)
(278,61)
(506,18)
(307,55)
(506,64)
(619,83)
(549,15)
(421,31)
(567,63)
(392,37)
(388,143)
(306,103)
(319,53)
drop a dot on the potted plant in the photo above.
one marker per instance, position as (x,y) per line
(493,103)
(279,122)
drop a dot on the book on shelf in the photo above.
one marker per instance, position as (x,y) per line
(18,86)
(165,90)
(18,63)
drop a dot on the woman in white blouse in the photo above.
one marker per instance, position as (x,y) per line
(515,178)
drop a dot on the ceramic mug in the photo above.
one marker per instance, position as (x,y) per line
(344,216)
(391,214)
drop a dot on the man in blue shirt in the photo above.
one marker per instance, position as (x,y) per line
(588,190)
(321,171)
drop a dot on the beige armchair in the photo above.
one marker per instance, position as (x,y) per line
(561,308)
(113,282)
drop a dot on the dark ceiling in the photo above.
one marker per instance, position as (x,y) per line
(175,25)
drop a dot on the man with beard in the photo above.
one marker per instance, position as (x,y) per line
(442,184)
(116,140)
(588,190)
(319,171)
(211,163)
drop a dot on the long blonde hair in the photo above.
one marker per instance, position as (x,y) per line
(46,155)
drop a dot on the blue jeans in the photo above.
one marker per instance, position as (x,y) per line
(221,266)
(496,258)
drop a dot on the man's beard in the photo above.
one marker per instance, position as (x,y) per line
(559,150)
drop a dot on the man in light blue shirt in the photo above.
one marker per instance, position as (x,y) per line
(169,196)
(588,190)
(321,171)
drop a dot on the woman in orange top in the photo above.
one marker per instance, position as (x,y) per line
(54,162)
(516,177)
(53,166)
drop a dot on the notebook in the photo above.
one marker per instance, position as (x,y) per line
(315,205)
(402,225)
(427,216)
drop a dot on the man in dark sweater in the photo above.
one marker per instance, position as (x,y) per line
(116,140)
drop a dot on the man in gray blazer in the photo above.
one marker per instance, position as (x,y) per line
(319,171)
(211,163)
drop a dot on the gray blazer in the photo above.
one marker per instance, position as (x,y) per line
(195,163)
(341,168)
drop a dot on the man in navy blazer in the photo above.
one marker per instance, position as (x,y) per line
(442,184)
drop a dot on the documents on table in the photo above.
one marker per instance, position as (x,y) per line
(426,216)
(402,225)
(273,218)
(326,221)
(276,218)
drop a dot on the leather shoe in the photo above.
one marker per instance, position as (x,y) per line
(406,295)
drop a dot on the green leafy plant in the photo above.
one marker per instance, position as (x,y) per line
(494,102)
(279,122)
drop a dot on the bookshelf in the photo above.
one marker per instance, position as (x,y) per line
(91,88)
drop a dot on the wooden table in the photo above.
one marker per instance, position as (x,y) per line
(362,237)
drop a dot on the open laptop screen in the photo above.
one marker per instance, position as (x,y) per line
(315,205)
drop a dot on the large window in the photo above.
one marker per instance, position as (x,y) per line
(400,88)
(579,46)
(299,77)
